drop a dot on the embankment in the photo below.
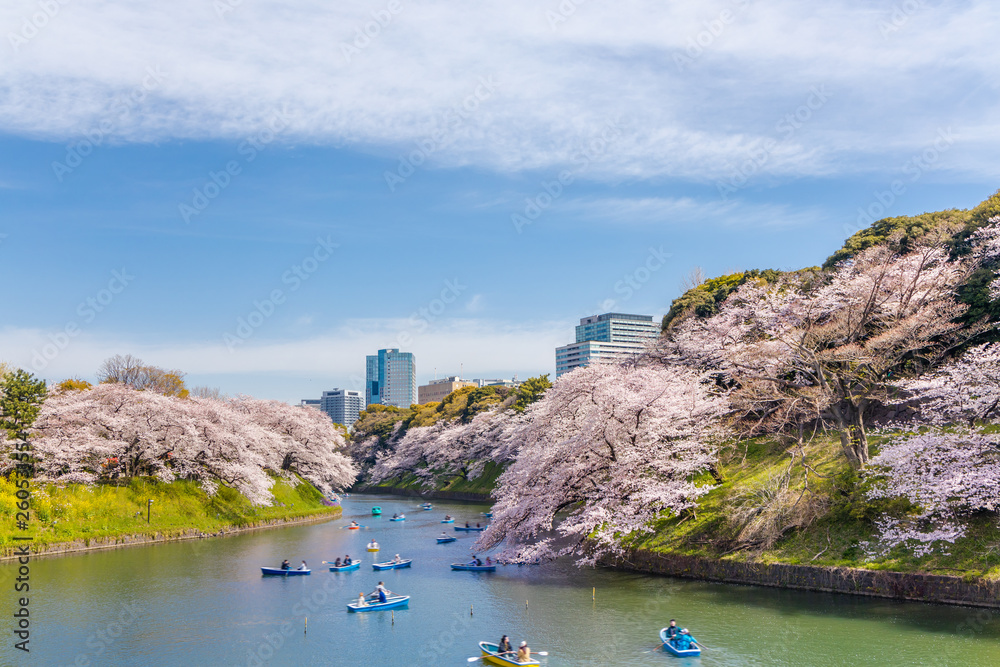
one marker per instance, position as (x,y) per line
(851,581)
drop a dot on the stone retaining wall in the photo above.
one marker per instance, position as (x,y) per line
(853,581)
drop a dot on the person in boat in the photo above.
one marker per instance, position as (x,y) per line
(523,652)
(336,563)
(373,544)
(447,517)
(303,566)
(475,560)
(477,525)
(504,645)
(347,560)
(684,641)
(395,516)
(285,565)
(488,561)
(444,534)
(362,601)
(397,559)
(382,592)
(467,525)
(355,524)
(672,630)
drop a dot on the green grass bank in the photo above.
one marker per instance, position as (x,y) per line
(83,516)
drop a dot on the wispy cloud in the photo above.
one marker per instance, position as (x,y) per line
(686,211)
(558,82)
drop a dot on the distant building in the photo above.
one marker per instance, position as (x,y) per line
(391,378)
(436,390)
(310,403)
(610,337)
(498,383)
(343,405)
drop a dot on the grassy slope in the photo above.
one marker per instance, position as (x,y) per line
(833,539)
(76,512)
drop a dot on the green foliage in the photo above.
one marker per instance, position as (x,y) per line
(530,391)
(77,512)
(21,397)
(378,420)
(899,233)
(704,299)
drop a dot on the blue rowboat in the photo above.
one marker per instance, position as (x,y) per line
(446,540)
(398,518)
(488,515)
(389,565)
(688,653)
(277,571)
(471,529)
(491,654)
(376,511)
(391,603)
(474,568)
(346,568)
(427,506)
(447,521)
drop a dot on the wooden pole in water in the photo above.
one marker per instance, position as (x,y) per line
(593,593)
(393,613)
(471,609)
(306,628)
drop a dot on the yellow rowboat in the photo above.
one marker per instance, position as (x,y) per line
(491,654)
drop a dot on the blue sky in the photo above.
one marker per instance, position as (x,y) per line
(254,194)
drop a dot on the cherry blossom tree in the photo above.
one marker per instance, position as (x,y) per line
(966,390)
(615,447)
(115,432)
(799,352)
(946,475)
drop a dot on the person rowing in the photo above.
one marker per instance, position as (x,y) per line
(347,560)
(395,516)
(467,525)
(373,544)
(447,517)
(382,592)
(523,652)
(285,565)
(504,646)
(355,524)
(672,630)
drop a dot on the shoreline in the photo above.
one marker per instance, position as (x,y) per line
(910,586)
(55,549)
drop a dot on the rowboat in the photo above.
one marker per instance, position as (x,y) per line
(353,527)
(346,568)
(391,603)
(277,571)
(474,568)
(472,529)
(689,653)
(447,521)
(446,540)
(426,506)
(491,654)
(398,518)
(488,515)
(371,549)
(376,510)
(389,565)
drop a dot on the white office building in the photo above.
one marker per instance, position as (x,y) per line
(607,338)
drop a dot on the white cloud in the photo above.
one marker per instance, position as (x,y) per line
(557,83)
(480,346)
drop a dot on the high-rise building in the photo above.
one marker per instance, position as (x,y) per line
(610,337)
(391,378)
(343,405)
